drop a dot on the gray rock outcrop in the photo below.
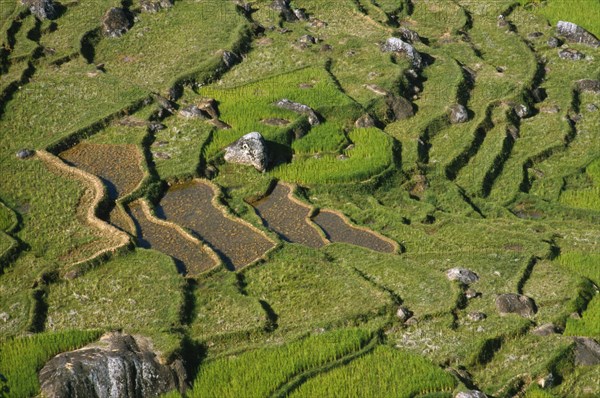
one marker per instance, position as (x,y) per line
(155,5)
(462,275)
(251,150)
(119,365)
(115,22)
(587,351)
(576,34)
(364,121)
(570,54)
(588,86)
(511,303)
(553,42)
(457,113)
(284,10)
(285,103)
(394,44)
(42,9)
(399,108)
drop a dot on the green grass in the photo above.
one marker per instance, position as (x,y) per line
(386,372)
(588,324)
(145,296)
(582,12)
(588,198)
(581,263)
(260,372)
(21,358)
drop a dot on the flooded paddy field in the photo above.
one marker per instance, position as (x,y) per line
(117,165)
(191,205)
(190,256)
(288,218)
(338,230)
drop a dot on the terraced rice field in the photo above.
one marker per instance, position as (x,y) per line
(191,205)
(191,257)
(288,217)
(339,230)
(117,165)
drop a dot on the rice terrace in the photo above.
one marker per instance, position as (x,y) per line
(300,198)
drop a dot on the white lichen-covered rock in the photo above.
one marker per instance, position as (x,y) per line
(457,113)
(42,9)
(250,150)
(470,394)
(576,34)
(462,275)
(119,365)
(394,44)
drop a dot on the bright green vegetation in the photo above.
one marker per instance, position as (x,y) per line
(387,372)
(22,357)
(261,372)
(514,200)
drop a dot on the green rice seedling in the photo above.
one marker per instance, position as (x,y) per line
(581,12)
(24,46)
(588,324)
(537,392)
(21,358)
(387,372)
(582,263)
(260,372)
(372,154)
(588,198)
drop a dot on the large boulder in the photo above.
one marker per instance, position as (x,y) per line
(399,108)
(42,9)
(457,113)
(119,365)
(462,275)
(285,103)
(394,44)
(576,34)
(511,303)
(587,351)
(116,22)
(588,86)
(251,150)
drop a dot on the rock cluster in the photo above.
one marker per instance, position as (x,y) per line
(42,9)
(115,22)
(119,365)
(287,13)
(576,34)
(394,44)
(251,150)
(570,54)
(155,5)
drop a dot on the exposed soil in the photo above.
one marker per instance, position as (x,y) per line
(117,165)
(190,257)
(337,230)
(288,218)
(190,205)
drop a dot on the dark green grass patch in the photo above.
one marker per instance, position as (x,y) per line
(21,358)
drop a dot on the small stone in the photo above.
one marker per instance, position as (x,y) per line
(364,121)
(546,381)
(24,153)
(476,316)
(570,54)
(535,35)
(313,118)
(155,127)
(161,155)
(550,109)
(274,121)
(409,36)
(411,321)
(342,157)
(4,317)
(394,44)
(545,330)
(510,303)
(317,23)
(153,6)
(470,394)
(591,107)
(251,149)
(115,22)
(300,14)
(404,314)
(462,275)
(471,293)
(193,112)
(553,42)
(229,58)
(210,172)
(521,110)
(539,94)
(513,131)
(219,124)
(326,48)
(458,114)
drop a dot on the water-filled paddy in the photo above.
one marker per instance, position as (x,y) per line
(288,218)
(338,230)
(190,205)
(190,256)
(117,165)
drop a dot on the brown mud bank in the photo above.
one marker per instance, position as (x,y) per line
(193,205)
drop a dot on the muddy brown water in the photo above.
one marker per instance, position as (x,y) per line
(189,256)
(337,230)
(288,218)
(118,166)
(190,205)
